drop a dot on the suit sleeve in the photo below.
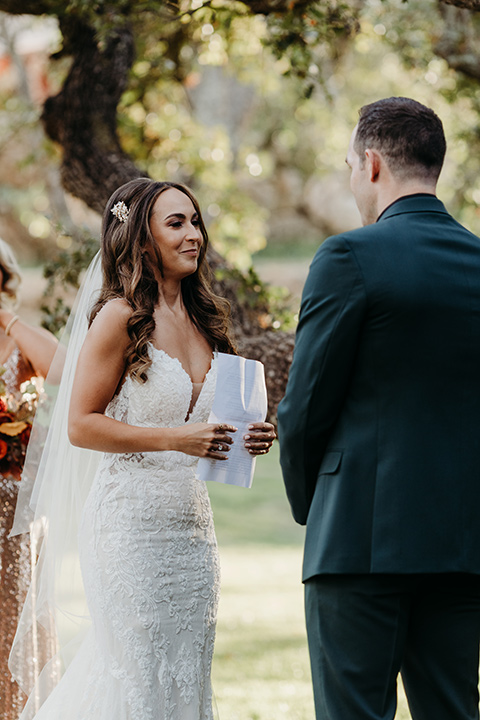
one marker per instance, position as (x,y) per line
(331,317)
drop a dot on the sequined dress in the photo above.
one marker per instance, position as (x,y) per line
(15,564)
(150,570)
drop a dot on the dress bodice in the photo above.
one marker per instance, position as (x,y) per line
(163,400)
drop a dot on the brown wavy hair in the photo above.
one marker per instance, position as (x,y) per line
(129,253)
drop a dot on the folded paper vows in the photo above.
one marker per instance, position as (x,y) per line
(240,399)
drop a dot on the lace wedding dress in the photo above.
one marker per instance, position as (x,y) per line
(150,569)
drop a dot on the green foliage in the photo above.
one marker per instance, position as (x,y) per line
(63,272)
(303,73)
(305,41)
(160,130)
(297,33)
(269,305)
(260,515)
(416,34)
(55,315)
(161,127)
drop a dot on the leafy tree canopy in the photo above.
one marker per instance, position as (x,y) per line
(135,81)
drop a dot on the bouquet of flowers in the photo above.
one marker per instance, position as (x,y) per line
(16,416)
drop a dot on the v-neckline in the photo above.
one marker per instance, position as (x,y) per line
(178,361)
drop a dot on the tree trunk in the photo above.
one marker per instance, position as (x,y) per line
(275,350)
(458,43)
(466,4)
(82,117)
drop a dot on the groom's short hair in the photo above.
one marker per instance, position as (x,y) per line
(408,134)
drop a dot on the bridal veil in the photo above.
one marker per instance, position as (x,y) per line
(55,482)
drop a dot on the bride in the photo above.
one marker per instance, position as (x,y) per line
(141,395)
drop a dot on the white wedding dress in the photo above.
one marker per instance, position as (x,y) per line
(150,569)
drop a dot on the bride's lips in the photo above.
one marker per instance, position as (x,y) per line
(193,252)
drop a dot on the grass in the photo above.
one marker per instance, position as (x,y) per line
(261,668)
(256,516)
(290,249)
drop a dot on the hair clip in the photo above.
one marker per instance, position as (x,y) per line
(121,211)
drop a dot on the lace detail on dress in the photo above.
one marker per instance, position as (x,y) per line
(150,566)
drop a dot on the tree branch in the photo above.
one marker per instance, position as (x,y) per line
(275,350)
(265,7)
(466,4)
(458,44)
(82,117)
(26,7)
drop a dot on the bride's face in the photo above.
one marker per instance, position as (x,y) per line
(175,227)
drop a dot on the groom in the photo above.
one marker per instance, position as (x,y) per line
(380,437)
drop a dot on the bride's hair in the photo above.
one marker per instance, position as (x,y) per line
(129,256)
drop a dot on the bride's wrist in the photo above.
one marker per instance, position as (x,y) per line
(168,439)
(7,319)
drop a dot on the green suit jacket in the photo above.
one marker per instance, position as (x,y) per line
(380,426)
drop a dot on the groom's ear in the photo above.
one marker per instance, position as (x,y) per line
(373,163)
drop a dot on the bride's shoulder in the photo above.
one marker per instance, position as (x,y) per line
(115,309)
(112,318)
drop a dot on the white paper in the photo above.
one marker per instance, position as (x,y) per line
(240,399)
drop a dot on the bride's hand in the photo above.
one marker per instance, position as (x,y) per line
(259,438)
(209,440)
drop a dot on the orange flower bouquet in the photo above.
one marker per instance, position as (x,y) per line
(16,415)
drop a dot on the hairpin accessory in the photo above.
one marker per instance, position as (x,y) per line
(121,211)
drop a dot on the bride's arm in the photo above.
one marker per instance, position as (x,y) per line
(100,370)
